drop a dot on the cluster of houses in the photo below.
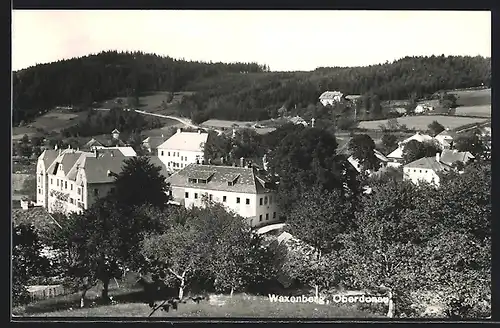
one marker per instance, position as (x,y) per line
(72,180)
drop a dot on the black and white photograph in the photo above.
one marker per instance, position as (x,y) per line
(251,164)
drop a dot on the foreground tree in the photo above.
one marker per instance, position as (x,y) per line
(435,128)
(414,150)
(362,148)
(469,142)
(389,143)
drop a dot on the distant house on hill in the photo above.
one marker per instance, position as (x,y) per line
(182,149)
(445,138)
(331,97)
(105,141)
(298,120)
(422,108)
(353,98)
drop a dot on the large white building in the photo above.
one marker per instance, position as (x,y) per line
(239,189)
(330,97)
(182,149)
(425,169)
(71,181)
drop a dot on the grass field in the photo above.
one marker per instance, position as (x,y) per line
(55,120)
(240,305)
(473,97)
(421,122)
(478,110)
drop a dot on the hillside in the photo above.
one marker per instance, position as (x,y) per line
(233,91)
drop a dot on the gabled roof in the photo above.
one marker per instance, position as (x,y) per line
(396,153)
(247,182)
(330,94)
(115,131)
(119,151)
(68,158)
(447,134)
(188,141)
(419,137)
(93,142)
(48,156)
(451,156)
(429,163)
(96,169)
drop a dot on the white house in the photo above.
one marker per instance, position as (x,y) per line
(152,143)
(71,180)
(423,108)
(425,169)
(395,158)
(445,138)
(449,157)
(298,120)
(330,97)
(182,149)
(239,189)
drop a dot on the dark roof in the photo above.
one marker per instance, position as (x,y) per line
(49,156)
(96,169)
(154,142)
(156,161)
(428,163)
(93,142)
(247,182)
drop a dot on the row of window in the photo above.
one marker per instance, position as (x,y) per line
(267,216)
(174,164)
(62,183)
(414,170)
(263,200)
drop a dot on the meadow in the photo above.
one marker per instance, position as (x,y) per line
(473,102)
(421,122)
(54,120)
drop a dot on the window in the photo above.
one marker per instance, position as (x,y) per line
(261,201)
(267,216)
(260,217)
(177,154)
(38,179)
(195,196)
(39,191)
(96,192)
(270,199)
(248,201)
(237,200)
(71,200)
(168,163)
(224,198)
(79,191)
(51,181)
(414,170)
(162,153)
(274,215)
(420,171)
(71,186)
(112,190)
(265,200)
(65,184)
(58,182)
(210,196)
(168,154)
(186,195)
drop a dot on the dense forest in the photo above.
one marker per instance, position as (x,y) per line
(238,91)
(82,81)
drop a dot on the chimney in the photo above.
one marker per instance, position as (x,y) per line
(108,173)
(438,156)
(242,162)
(178,130)
(199,131)
(312,122)
(96,153)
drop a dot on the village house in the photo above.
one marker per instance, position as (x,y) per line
(395,158)
(182,149)
(240,189)
(70,180)
(445,138)
(422,108)
(381,158)
(331,97)
(425,169)
(298,120)
(111,140)
(450,157)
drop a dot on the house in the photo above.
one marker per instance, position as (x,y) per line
(298,120)
(382,160)
(330,97)
(445,138)
(125,151)
(105,141)
(398,110)
(152,143)
(422,108)
(182,149)
(395,158)
(353,98)
(450,157)
(240,189)
(71,181)
(425,169)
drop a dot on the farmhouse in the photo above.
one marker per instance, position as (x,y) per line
(71,180)
(353,98)
(239,189)
(446,138)
(396,157)
(105,141)
(331,97)
(182,149)
(425,169)
(450,157)
(298,120)
(422,108)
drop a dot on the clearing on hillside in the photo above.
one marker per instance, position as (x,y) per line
(479,110)
(421,122)
(472,97)
(54,120)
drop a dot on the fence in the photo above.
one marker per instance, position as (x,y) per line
(42,292)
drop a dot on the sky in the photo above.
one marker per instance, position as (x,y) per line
(284,40)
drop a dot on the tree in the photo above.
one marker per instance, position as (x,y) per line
(140,182)
(469,142)
(362,148)
(27,261)
(435,128)
(389,142)
(376,107)
(414,150)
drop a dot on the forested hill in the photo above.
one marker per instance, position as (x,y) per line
(80,81)
(234,91)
